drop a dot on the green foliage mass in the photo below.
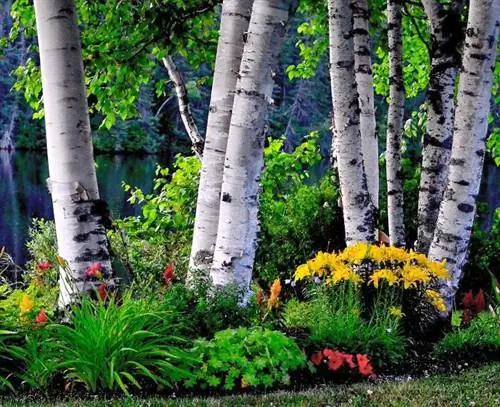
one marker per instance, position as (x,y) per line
(482,334)
(240,358)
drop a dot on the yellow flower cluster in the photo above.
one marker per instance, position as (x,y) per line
(436,300)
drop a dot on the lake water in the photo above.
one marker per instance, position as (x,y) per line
(24,195)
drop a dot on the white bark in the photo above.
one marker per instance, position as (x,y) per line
(364,81)
(438,139)
(458,207)
(395,125)
(238,221)
(184,108)
(78,212)
(233,27)
(359,210)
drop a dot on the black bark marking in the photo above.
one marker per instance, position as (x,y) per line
(465,207)
(226,197)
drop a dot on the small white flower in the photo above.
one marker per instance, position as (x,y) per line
(317,280)
(388,330)
(288,281)
(369,392)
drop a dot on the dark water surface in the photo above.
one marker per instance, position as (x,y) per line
(24,195)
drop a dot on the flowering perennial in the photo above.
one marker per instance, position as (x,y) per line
(335,360)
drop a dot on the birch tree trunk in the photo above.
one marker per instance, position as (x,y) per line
(233,27)
(359,210)
(458,207)
(395,125)
(445,60)
(78,212)
(238,221)
(364,80)
(184,108)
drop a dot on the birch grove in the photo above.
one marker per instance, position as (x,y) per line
(238,219)
(79,213)
(457,210)
(359,210)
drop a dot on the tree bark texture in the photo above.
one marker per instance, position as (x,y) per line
(458,207)
(238,221)
(364,80)
(235,19)
(79,213)
(184,108)
(395,125)
(445,61)
(359,210)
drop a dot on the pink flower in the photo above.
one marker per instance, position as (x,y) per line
(335,359)
(94,271)
(349,359)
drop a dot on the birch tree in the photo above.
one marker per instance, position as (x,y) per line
(238,221)
(364,81)
(235,19)
(78,212)
(359,210)
(395,123)
(458,207)
(445,60)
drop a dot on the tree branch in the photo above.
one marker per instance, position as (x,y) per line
(419,33)
(184,108)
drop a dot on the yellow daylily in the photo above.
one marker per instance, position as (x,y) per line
(412,275)
(436,300)
(383,274)
(396,312)
(302,272)
(26,304)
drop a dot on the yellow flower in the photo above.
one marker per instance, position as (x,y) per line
(396,312)
(377,254)
(439,270)
(396,254)
(302,272)
(413,275)
(26,304)
(274,297)
(341,272)
(355,278)
(383,274)
(355,253)
(436,300)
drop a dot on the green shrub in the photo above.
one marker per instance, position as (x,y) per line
(199,313)
(6,359)
(482,334)
(333,319)
(112,346)
(240,358)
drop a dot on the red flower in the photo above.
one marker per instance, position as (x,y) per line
(468,300)
(479,301)
(335,360)
(260,298)
(94,271)
(349,359)
(364,365)
(43,266)
(168,274)
(42,318)
(317,358)
(102,291)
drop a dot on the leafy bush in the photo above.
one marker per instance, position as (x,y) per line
(241,358)
(5,359)
(482,334)
(112,345)
(199,313)
(332,319)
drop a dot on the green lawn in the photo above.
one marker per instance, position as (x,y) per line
(479,387)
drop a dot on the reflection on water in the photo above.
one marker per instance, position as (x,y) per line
(23,192)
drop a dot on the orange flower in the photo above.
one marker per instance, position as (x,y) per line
(260,298)
(364,365)
(42,318)
(26,304)
(273,300)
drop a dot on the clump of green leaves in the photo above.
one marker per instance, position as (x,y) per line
(241,358)
(482,334)
(333,318)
